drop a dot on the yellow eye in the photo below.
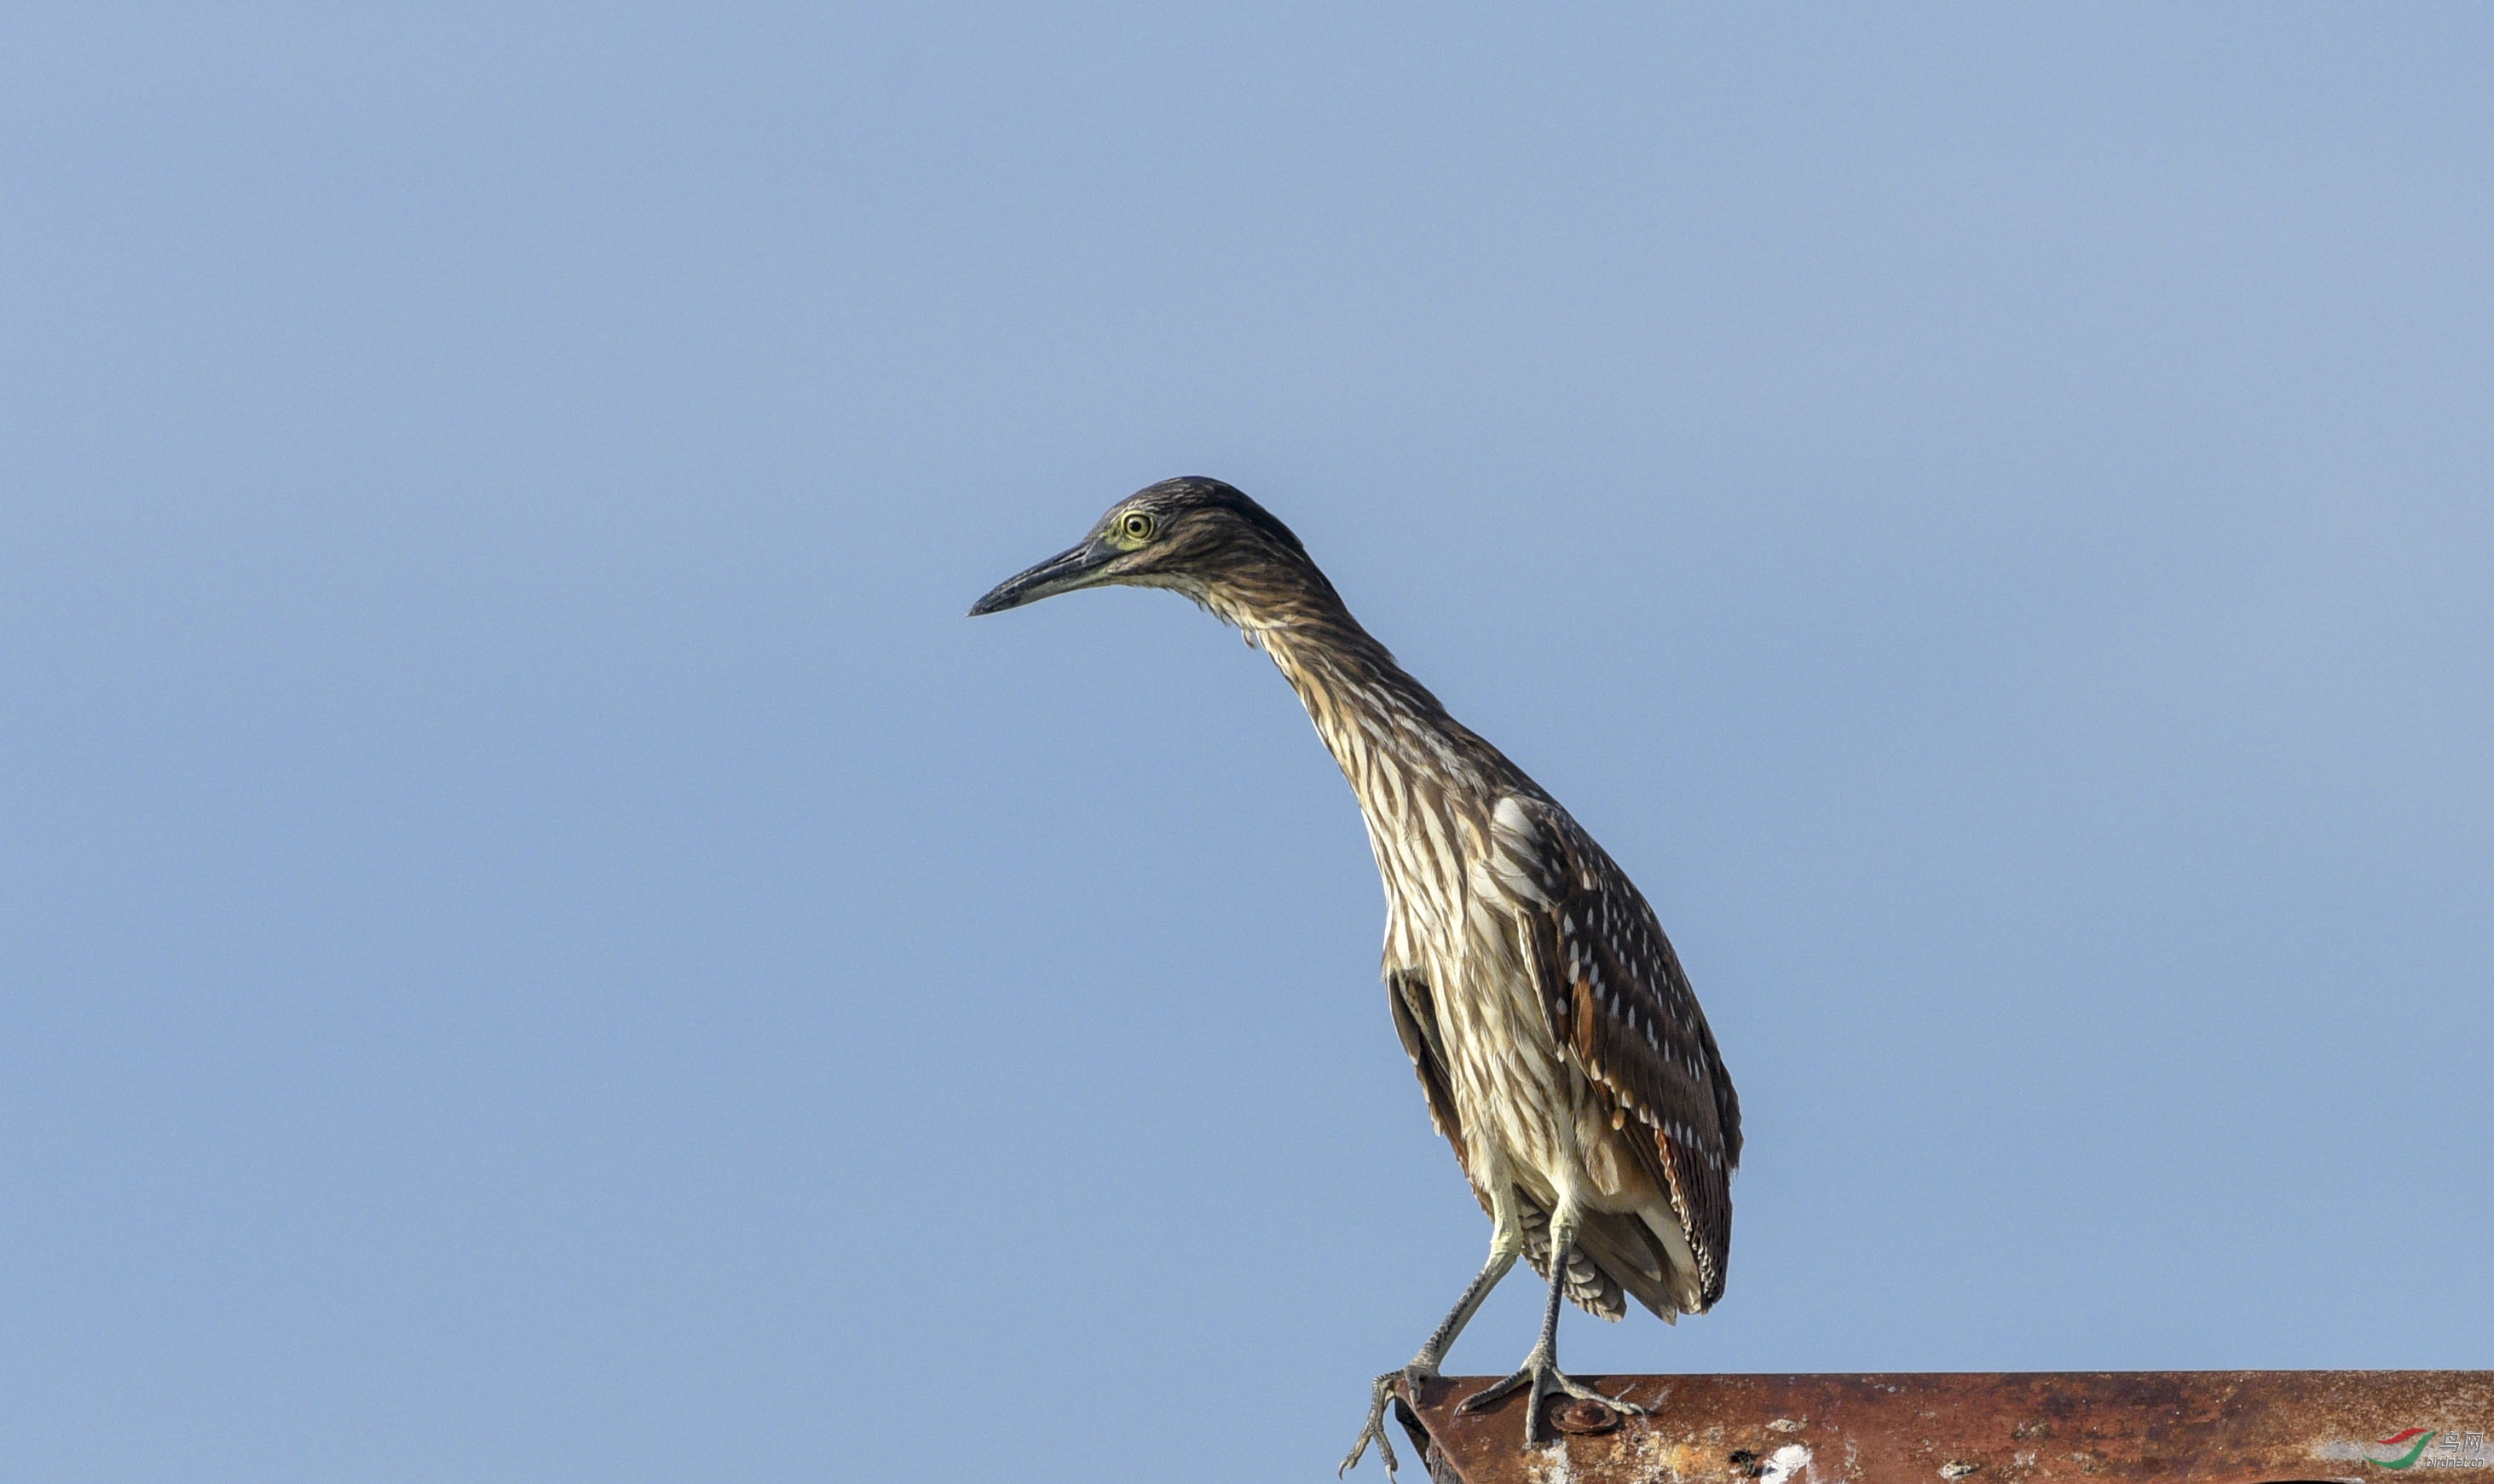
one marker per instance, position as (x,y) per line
(1135,528)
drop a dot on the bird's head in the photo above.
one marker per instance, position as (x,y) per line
(1198,535)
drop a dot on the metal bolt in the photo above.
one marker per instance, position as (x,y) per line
(1583,1418)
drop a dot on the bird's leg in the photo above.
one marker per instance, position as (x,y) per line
(1506,1241)
(1540,1369)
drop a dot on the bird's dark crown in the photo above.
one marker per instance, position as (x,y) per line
(1208,507)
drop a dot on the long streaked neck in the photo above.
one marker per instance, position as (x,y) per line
(1382,726)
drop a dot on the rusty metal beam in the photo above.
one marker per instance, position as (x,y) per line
(2185,1427)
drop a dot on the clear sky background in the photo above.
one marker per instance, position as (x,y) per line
(538,944)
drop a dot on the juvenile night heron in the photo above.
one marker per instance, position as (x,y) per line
(1562,1051)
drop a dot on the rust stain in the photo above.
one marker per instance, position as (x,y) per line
(2178,1427)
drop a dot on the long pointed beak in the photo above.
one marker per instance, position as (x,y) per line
(1063,572)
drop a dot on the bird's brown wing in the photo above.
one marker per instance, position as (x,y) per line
(1416,1023)
(1616,996)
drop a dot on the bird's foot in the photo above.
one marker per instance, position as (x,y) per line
(1380,1395)
(1542,1375)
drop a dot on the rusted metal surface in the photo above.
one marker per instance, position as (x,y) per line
(2187,1426)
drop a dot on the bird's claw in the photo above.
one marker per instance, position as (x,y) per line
(1540,1371)
(1380,1393)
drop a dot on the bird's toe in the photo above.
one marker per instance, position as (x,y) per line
(1380,1393)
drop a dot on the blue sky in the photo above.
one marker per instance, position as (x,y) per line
(539,944)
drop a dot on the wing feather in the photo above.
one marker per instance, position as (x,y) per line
(1415,1025)
(1616,996)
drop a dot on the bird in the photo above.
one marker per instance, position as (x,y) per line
(1559,1046)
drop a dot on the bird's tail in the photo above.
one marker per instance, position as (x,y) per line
(1613,1260)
